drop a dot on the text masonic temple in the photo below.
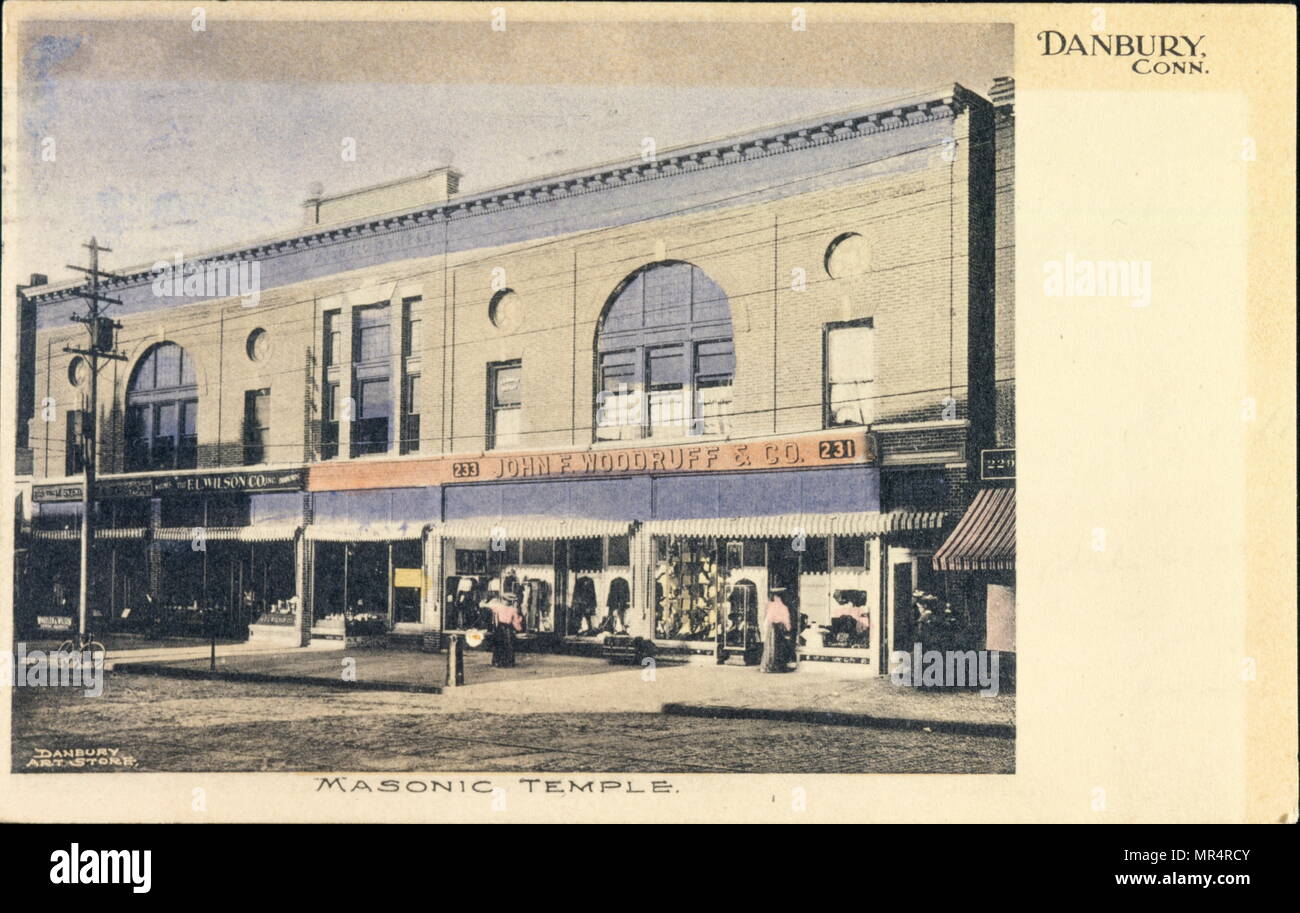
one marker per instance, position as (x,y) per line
(636,396)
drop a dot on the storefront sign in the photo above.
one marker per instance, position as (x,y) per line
(105,488)
(260,480)
(408,577)
(998,464)
(808,452)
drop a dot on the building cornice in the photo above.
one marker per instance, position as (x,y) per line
(789,138)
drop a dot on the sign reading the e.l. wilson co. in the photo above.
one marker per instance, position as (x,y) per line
(805,452)
(250,481)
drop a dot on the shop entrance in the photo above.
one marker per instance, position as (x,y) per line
(784,568)
(408,581)
(904,629)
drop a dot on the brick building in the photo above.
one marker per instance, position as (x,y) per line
(649,390)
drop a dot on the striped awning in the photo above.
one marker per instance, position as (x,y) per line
(136,532)
(186,533)
(57,534)
(530,527)
(373,532)
(268,532)
(851,523)
(985,537)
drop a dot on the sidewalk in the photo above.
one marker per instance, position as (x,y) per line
(559,684)
(744,692)
(201,651)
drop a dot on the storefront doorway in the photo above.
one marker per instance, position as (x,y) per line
(785,568)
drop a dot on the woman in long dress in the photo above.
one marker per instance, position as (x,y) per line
(776,631)
(507,620)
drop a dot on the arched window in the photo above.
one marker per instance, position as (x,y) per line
(162,411)
(664,356)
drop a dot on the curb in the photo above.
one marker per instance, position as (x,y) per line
(264,678)
(831,718)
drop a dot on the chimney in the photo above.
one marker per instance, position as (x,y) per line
(431,188)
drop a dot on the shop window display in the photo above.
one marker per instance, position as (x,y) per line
(687,591)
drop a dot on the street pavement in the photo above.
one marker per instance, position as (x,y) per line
(609,718)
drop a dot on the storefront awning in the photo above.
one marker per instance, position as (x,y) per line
(267,532)
(985,537)
(186,533)
(138,532)
(374,532)
(527,527)
(853,523)
(57,534)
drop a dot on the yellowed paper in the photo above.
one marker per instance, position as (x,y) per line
(666,370)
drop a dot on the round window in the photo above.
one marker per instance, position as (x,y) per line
(78,371)
(847,255)
(259,345)
(505,311)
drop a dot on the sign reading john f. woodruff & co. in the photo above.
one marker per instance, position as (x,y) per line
(804,452)
(255,481)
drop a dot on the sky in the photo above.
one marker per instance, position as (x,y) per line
(156,138)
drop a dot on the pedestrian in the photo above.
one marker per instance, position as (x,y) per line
(505,614)
(776,632)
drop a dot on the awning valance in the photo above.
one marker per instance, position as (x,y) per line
(56,534)
(985,537)
(374,532)
(529,527)
(186,533)
(850,523)
(268,532)
(135,532)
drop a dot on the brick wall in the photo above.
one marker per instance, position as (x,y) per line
(1005,281)
(936,286)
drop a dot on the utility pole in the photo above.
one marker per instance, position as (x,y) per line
(102,334)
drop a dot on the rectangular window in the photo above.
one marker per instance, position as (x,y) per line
(505,402)
(586,555)
(330,344)
(257,425)
(73,454)
(851,552)
(850,369)
(412,330)
(187,444)
(329,432)
(169,367)
(131,512)
(538,551)
(227,510)
(164,435)
(183,511)
(410,414)
(374,407)
(814,555)
(371,333)
(505,556)
(619,552)
(138,436)
(618,402)
(666,381)
(715,363)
